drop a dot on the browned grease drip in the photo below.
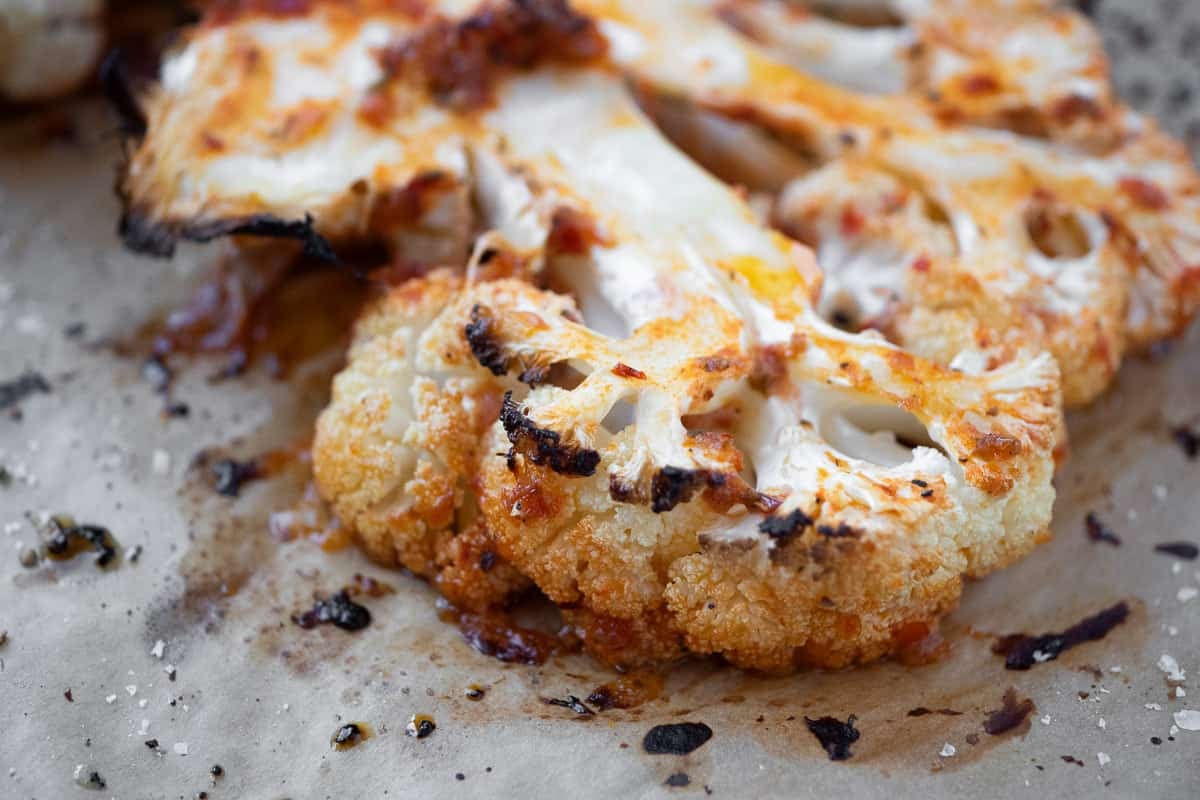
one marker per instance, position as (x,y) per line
(68,539)
(494,633)
(627,691)
(310,518)
(1012,714)
(352,734)
(1022,651)
(260,304)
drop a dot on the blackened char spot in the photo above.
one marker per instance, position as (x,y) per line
(921,711)
(671,486)
(20,387)
(1011,714)
(1185,550)
(834,735)
(839,531)
(1097,531)
(785,528)
(677,779)
(678,738)
(542,446)
(1021,651)
(483,338)
(1188,441)
(229,475)
(114,82)
(152,237)
(338,610)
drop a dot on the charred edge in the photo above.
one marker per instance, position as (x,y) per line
(623,491)
(787,527)
(542,446)
(483,338)
(839,531)
(671,486)
(142,234)
(114,83)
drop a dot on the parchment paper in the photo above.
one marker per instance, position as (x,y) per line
(260,697)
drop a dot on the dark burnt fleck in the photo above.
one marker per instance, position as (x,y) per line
(1188,441)
(458,776)
(839,531)
(919,482)
(70,698)
(671,486)
(338,610)
(572,702)
(493,633)
(350,735)
(27,383)
(1155,740)
(483,337)
(677,779)
(1021,651)
(542,446)
(834,735)
(927,493)
(475,692)
(229,475)
(177,409)
(1097,531)
(677,739)
(1072,760)
(151,743)
(1185,550)
(921,711)
(74,330)
(487,560)
(420,726)
(217,771)
(67,540)
(785,528)
(1012,713)
(94,781)
(534,375)
(142,234)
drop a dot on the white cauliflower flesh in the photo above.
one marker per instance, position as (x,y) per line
(1075,229)
(626,396)
(48,47)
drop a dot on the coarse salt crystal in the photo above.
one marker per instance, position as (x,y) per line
(1160,491)
(131,689)
(1103,758)
(1176,568)
(112,698)
(1101,724)
(1171,668)
(1045,720)
(1041,657)
(1179,692)
(1154,706)
(1172,630)
(159,647)
(1114,669)
(143,703)
(947,750)
(180,748)
(1187,719)
(160,462)
(1187,593)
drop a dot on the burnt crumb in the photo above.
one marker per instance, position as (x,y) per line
(1097,531)
(677,739)
(840,531)
(27,383)
(338,610)
(1185,550)
(572,702)
(1155,740)
(1188,441)
(671,486)
(217,771)
(177,409)
(483,337)
(1021,651)
(921,711)
(151,743)
(67,540)
(352,734)
(834,735)
(542,446)
(677,779)
(1072,760)
(1011,714)
(458,776)
(67,694)
(918,482)
(785,528)
(229,475)
(420,726)
(927,493)
(475,692)
(115,84)
(487,560)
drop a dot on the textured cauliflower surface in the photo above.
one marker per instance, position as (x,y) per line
(622,387)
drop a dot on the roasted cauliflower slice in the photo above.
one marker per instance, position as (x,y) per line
(1088,250)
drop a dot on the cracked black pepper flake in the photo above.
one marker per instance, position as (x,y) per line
(1097,531)
(1155,740)
(572,702)
(151,743)
(1185,550)
(678,738)
(834,735)
(1072,760)
(1188,441)
(14,391)
(458,776)
(338,610)
(420,726)
(1021,651)
(70,698)
(677,779)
